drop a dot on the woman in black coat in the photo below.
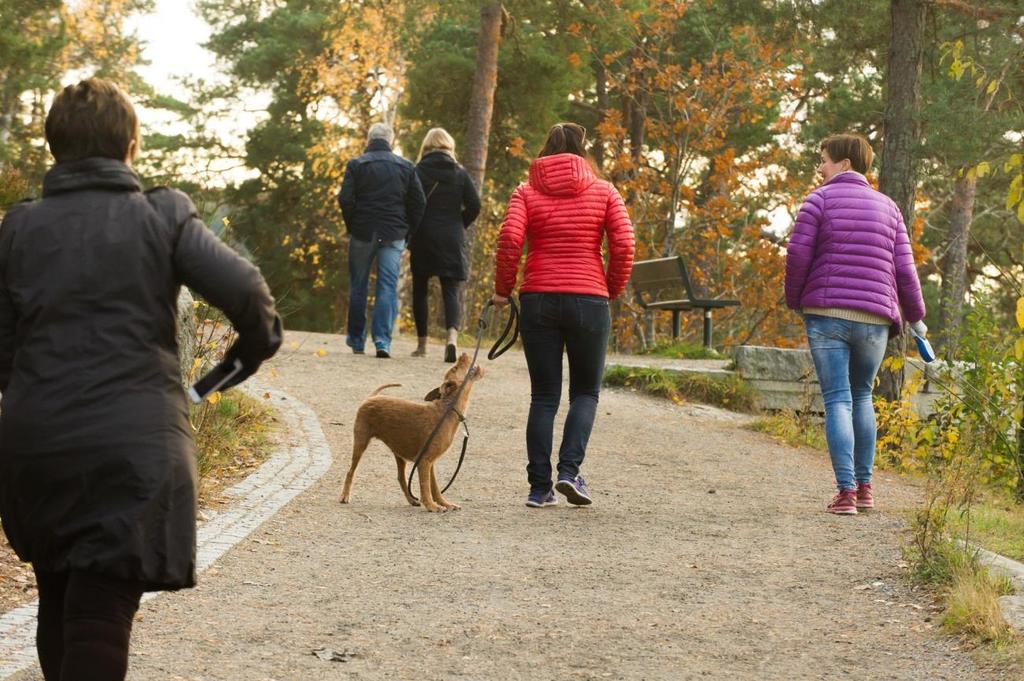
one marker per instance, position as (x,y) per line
(97,460)
(437,243)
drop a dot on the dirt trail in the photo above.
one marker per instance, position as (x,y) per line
(707,554)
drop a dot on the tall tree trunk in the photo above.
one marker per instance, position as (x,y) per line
(898,175)
(481,108)
(673,211)
(601,87)
(637,131)
(954,265)
(481,100)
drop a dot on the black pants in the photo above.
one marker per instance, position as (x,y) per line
(85,624)
(549,323)
(450,294)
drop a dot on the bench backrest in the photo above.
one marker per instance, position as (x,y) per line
(661,279)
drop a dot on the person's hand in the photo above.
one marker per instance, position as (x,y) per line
(499,301)
(919,329)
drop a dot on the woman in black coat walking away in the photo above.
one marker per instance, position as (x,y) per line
(97,461)
(437,243)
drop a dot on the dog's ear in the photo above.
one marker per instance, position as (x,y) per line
(434,394)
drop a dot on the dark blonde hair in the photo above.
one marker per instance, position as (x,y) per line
(437,139)
(92,118)
(849,147)
(565,138)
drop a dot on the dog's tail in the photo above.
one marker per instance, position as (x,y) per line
(385,386)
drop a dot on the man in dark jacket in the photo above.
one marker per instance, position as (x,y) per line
(381,199)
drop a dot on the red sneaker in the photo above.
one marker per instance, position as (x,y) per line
(844,503)
(865,500)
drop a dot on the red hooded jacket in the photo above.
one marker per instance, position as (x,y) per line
(563,214)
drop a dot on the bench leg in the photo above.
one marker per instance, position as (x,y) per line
(675,324)
(707,328)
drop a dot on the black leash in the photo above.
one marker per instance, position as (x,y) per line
(511,333)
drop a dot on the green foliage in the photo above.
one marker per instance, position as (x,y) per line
(13,187)
(979,417)
(730,393)
(534,85)
(289,206)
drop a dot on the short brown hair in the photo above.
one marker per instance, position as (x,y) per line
(565,138)
(92,118)
(849,146)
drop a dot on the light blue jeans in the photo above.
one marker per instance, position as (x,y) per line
(361,255)
(846,357)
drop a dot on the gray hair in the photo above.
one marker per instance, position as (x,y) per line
(381,131)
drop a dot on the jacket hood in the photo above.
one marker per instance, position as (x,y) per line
(90,173)
(561,175)
(438,166)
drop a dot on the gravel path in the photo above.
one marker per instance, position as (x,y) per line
(707,554)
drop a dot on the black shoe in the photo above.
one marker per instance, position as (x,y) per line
(449,353)
(383,354)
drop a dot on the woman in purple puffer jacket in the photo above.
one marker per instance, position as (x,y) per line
(850,271)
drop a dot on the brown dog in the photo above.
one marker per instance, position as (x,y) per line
(404,426)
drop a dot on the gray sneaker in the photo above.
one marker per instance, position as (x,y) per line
(539,499)
(575,490)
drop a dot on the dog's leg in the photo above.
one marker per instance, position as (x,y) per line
(438,497)
(403,482)
(360,440)
(426,493)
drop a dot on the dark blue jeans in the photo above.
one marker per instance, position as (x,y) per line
(549,324)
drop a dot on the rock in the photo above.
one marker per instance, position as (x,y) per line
(186,334)
(1012,609)
(775,364)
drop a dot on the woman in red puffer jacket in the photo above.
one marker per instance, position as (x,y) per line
(563,214)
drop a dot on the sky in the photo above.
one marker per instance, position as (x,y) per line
(174,35)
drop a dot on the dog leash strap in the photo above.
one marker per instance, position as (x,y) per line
(511,332)
(462,456)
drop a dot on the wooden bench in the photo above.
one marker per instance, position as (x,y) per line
(663,284)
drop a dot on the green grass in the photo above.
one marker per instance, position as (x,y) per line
(995,525)
(797,430)
(730,393)
(683,350)
(972,606)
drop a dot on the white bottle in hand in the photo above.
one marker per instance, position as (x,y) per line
(924,348)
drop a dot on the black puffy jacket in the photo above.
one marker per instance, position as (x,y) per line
(97,461)
(381,197)
(452,204)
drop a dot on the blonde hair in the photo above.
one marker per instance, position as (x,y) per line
(437,139)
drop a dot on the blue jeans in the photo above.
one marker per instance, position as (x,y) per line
(846,357)
(361,255)
(549,324)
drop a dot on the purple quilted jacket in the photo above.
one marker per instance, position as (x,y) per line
(849,249)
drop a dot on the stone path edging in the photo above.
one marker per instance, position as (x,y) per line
(300,460)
